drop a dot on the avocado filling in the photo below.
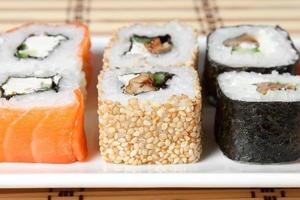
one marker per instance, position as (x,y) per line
(39,46)
(138,83)
(150,45)
(26,85)
(264,87)
(244,43)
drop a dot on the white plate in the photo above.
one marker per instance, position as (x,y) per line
(214,169)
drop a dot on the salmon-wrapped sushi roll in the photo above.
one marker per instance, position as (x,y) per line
(41,118)
(35,44)
(43,71)
(171,44)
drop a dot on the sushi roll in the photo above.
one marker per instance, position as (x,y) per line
(258,116)
(42,47)
(171,44)
(43,72)
(256,48)
(150,115)
(41,118)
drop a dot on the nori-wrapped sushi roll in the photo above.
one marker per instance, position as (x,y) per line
(258,117)
(260,49)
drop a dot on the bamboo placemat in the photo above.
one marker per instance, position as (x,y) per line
(151,194)
(105,16)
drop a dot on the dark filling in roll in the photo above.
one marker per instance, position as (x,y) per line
(154,45)
(264,87)
(242,43)
(15,85)
(145,82)
(39,46)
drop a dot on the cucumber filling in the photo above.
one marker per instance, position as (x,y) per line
(134,84)
(26,85)
(150,45)
(39,46)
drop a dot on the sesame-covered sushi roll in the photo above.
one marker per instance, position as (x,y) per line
(42,47)
(150,115)
(171,44)
(258,116)
(41,117)
(261,49)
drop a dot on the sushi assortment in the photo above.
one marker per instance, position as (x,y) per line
(149,94)
(149,108)
(42,93)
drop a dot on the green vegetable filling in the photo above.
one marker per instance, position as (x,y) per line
(141,39)
(160,79)
(20,51)
(245,50)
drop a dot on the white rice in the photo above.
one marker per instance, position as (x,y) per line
(182,83)
(183,38)
(240,86)
(64,57)
(275,48)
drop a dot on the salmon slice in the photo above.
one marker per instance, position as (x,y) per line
(6,117)
(18,135)
(79,140)
(44,135)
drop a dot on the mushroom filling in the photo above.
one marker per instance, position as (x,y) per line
(264,87)
(138,83)
(243,43)
(26,85)
(149,45)
(39,46)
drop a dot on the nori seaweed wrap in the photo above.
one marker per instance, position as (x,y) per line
(262,127)
(245,48)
